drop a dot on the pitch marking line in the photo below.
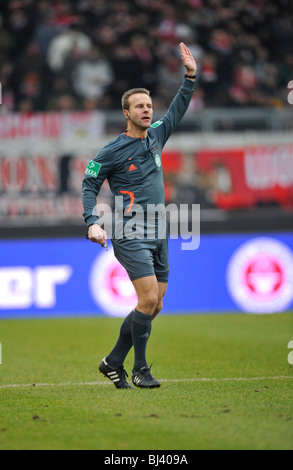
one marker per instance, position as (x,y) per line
(202,379)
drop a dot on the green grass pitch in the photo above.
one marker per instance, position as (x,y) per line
(226,384)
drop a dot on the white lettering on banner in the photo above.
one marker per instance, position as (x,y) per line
(266,167)
(46,278)
(22,287)
(16,287)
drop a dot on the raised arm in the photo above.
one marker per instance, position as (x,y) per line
(179,105)
(188,60)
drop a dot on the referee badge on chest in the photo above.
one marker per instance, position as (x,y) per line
(158,161)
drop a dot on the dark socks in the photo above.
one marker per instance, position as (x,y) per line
(141,326)
(135,331)
(124,343)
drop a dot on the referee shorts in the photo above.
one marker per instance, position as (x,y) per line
(142,258)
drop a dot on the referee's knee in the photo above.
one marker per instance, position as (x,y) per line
(159,307)
(149,302)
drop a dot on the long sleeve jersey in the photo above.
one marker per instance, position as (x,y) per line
(133,165)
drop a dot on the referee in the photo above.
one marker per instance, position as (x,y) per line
(132,165)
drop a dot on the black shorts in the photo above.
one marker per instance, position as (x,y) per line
(143,258)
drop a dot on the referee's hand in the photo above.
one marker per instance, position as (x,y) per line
(97,235)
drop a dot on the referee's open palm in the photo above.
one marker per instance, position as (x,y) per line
(187,59)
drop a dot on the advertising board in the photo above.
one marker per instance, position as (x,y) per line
(45,186)
(250,273)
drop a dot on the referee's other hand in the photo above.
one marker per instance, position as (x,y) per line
(97,234)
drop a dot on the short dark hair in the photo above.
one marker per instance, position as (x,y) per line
(129,93)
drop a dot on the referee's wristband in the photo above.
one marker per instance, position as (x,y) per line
(192,77)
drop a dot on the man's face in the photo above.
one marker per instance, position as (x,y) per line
(140,111)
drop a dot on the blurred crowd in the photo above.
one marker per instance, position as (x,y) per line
(83,54)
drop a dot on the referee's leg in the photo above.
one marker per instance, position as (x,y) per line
(149,301)
(162,291)
(147,290)
(150,294)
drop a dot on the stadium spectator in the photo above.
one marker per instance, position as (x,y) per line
(170,72)
(92,76)
(20,23)
(62,97)
(8,99)
(31,73)
(66,103)
(233,39)
(127,71)
(146,56)
(6,40)
(65,43)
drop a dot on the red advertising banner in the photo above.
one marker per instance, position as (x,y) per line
(51,125)
(249,177)
(46,186)
(42,187)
